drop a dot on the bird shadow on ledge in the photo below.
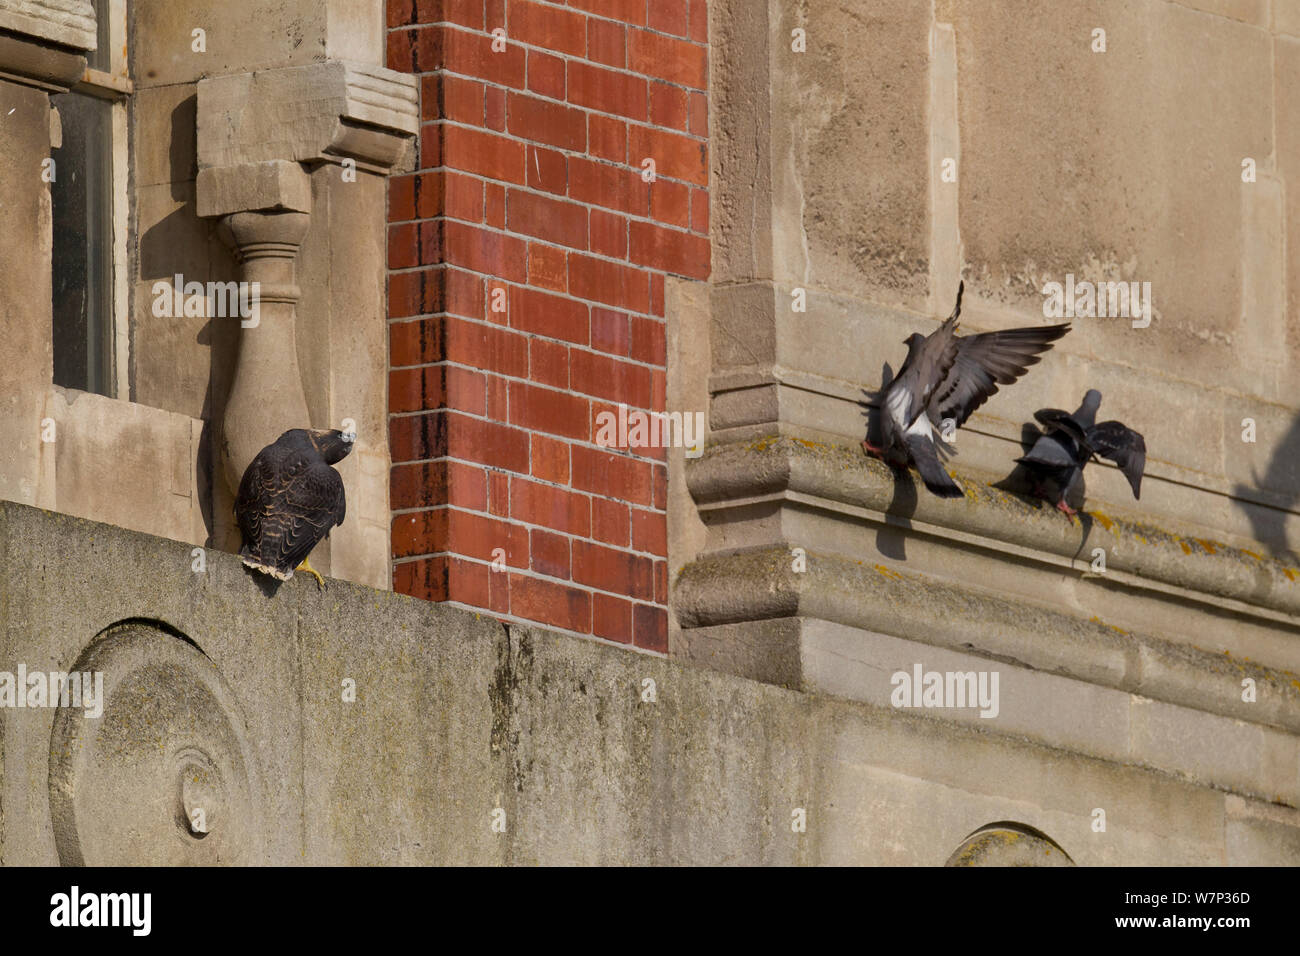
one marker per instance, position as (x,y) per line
(1268,523)
(268,585)
(891,540)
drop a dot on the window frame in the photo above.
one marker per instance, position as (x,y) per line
(115,86)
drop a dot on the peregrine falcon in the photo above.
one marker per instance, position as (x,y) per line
(289,499)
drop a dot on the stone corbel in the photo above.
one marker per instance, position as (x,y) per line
(321,113)
(45,41)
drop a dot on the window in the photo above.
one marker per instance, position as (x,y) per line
(88,197)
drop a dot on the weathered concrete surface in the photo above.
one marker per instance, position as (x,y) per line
(456,717)
(239,37)
(69,23)
(25,292)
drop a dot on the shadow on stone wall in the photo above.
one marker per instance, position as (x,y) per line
(1269,521)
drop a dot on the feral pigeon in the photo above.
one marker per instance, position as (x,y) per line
(943,380)
(1057,459)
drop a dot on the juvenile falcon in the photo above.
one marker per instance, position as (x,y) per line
(289,499)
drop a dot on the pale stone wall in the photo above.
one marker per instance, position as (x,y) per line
(456,717)
(805,564)
(1117,165)
(150,457)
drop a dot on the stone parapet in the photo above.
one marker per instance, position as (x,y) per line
(587,753)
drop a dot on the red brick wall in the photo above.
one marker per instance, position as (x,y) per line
(530,194)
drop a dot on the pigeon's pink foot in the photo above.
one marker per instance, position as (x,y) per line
(872,449)
(1069,512)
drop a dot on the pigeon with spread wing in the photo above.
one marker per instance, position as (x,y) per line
(1069,442)
(944,379)
(289,499)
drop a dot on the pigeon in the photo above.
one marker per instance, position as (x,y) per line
(1057,458)
(289,499)
(943,380)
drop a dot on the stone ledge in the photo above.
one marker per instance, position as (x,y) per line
(1153,557)
(68,23)
(33,63)
(456,715)
(760,585)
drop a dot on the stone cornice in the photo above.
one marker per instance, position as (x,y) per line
(324,112)
(1141,556)
(760,584)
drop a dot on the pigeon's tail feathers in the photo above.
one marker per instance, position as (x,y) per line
(926,460)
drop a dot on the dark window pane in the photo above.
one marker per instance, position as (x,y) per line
(101,58)
(82,264)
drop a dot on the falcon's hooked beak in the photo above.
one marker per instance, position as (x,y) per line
(332,444)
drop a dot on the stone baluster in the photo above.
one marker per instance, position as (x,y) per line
(264,209)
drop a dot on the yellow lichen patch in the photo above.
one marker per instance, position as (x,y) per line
(888,572)
(1290,575)
(1187,548)
(1207,545)
(1117,630)
(1257,557)
(1102,520)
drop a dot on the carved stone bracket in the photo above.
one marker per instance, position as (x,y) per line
(324,112)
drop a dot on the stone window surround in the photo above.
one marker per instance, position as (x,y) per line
(345,113)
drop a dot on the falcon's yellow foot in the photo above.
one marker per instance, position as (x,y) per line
(306,566)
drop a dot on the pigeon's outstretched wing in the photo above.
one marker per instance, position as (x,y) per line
(978,364)
(1117,442)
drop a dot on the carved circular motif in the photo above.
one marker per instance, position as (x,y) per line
(162,776)
(1009,844)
